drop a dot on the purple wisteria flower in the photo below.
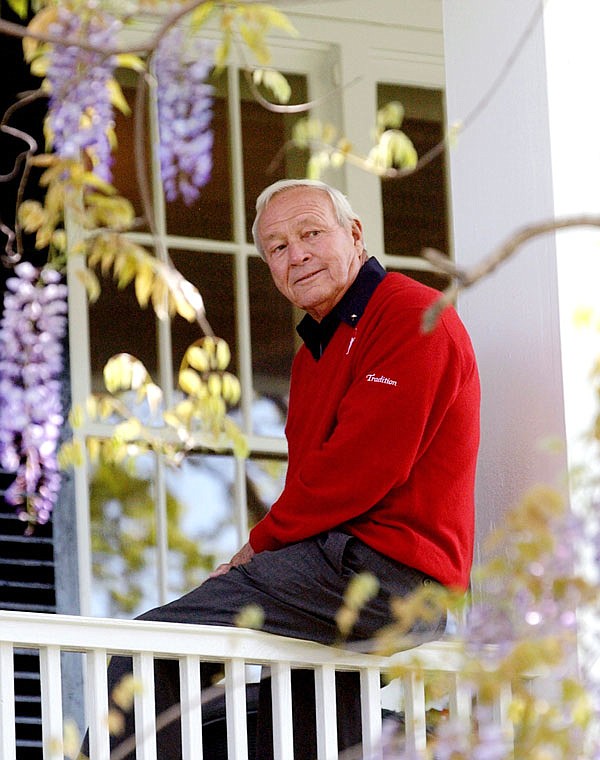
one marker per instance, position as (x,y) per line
(31,330)
(80,112)
(184,114)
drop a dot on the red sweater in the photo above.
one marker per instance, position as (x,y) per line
(383,433)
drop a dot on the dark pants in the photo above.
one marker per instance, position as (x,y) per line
(299,588)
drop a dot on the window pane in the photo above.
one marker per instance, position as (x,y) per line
(264,136)
(124,169)
(210,215)
(265,478)
(213,275)
(272,325)
(415,208)
(117,323)
(123,519)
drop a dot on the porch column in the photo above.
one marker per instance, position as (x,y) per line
(501,180)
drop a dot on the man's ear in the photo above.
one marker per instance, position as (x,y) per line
(357,233)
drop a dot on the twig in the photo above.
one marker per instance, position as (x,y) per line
(299,107)
(464,278)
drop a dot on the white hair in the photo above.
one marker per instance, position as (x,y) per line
(343,210)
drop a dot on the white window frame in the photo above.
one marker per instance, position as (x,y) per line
(338,79)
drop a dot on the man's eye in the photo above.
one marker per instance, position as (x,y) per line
(313,233)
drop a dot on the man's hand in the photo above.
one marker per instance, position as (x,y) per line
(244,555)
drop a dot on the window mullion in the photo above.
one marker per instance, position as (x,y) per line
(242,298)
(164,351)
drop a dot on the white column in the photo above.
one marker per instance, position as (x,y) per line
(573,62)
(501,180)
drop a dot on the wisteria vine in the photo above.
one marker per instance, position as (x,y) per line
(184,114)
(31,332)
(80,113)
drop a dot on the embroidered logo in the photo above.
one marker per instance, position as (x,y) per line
(372,378)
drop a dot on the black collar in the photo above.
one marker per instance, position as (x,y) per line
(316,335)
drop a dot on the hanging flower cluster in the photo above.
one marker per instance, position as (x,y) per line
(184,114)
(31,332)
(80,112)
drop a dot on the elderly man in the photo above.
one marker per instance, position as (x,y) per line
(383,432)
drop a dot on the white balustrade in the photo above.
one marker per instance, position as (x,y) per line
(98,638)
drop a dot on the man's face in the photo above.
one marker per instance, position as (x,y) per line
(313,260)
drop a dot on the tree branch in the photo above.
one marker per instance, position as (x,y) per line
(464,278)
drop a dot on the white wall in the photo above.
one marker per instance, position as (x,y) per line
(501,180)
(573,56)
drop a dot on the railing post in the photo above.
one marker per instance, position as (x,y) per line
(460,702)
(370,703)
(8,749)
(235,707)
(51,693)
(281,689)
(191,708)
(97,704)
(414,711)
(144,705)
(327,744)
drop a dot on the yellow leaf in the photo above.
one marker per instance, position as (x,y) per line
(276,18)
(124,372)
(130,61)
(76,417)
(222,51)
(32,215)
(160,298)
(201,14)
(231,390)
(144,280)
(91,284)
(214,384)
(390,116)
(39,66)
(117,98)
(127,271)
(43,237)
(222,354)
(250,616)
(183,307)
(114,212)
(197,357)
(20,7)
(43,159)
(38,25)
(154,396)
(274,81)
(129,430)
(190,382)
(256,42)
(59,240)
(93,180)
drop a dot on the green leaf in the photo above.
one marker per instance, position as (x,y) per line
(19,7)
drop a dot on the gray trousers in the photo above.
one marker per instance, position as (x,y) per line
(299,588)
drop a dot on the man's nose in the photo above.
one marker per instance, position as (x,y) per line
(297,252)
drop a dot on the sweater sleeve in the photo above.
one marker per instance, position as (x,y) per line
(403,382)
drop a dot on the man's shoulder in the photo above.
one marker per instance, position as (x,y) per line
(400,289)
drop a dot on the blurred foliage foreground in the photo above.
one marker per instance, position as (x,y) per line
(533,618)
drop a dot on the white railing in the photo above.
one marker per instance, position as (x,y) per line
(95,639)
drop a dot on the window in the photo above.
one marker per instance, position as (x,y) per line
(415,209)
(197,515)
(203,508)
